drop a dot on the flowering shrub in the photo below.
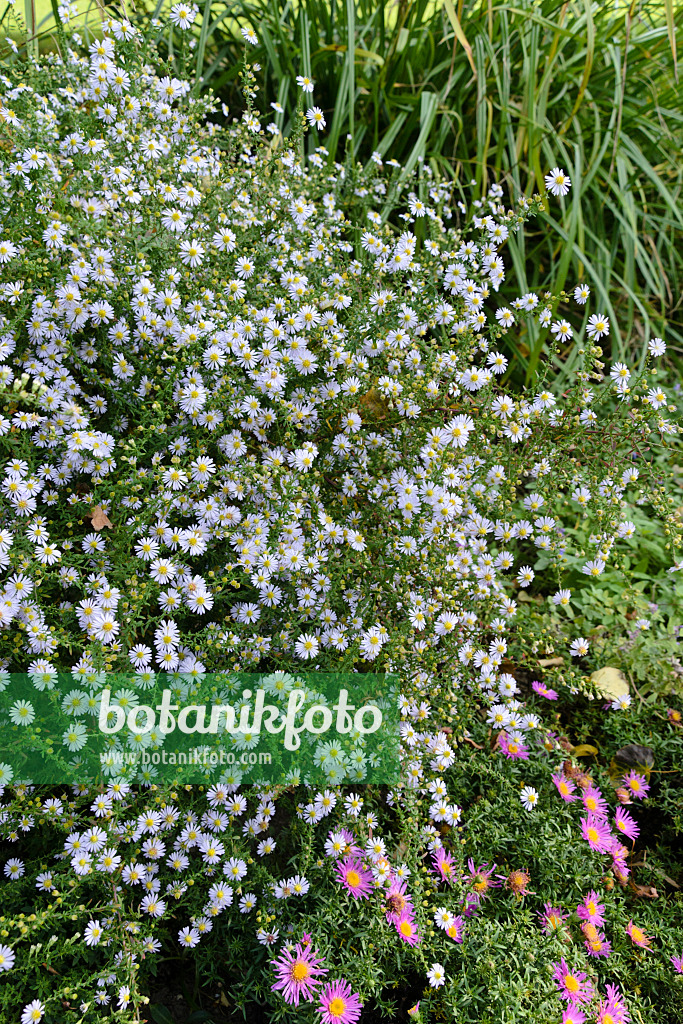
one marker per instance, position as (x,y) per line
(256,420)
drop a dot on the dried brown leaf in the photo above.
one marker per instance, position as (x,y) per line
(100,518)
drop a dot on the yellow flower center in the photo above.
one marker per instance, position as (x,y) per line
(571,984)
(406,928)
(336,1007)
(353,878)
(300,971)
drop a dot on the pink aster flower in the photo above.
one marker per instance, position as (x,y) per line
(594,802)
(480,878)
(618,851)
(621,872)
(574,986)
(677,961)
(518,882)
(565,787)
(339,1004)
(298,971)
(455,931)
(613,1009)
(352,847)
(595,941)
(470,904)
(355,878)
(552,919)
(444,865)
(397,900)
(597,833)
(407,929)
(626,824)
(543,691)
(573,1015)
(513,749)
(637,935)
(591,910)
(637,785)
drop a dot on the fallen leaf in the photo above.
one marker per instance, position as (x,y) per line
(584,750)
(99,518)
(373,405)
(647,891)
(611,682)
(636,756)
(550,662)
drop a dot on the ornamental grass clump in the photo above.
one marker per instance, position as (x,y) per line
(255,420)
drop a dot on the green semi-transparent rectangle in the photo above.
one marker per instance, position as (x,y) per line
(313,728)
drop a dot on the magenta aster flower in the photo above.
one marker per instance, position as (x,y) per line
(513,749)
(565,787)
(455,931)
(637,935)
(574,986)
(613,1009)
(677,961)
(552,919)
(591,910)
(397,900)
(518,882)
(594,802)
(621,872)
(480,878)
(597,833)
(298,971)
(637,785)
(573,1015)
(444,864)
(470,903)
(626,824)
(407,929)
(355,878)
(543,690)
(339,1004)
(596,943)
(352,847)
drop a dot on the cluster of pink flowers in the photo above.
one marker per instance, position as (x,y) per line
(578,991)
(299,976)
(595,826)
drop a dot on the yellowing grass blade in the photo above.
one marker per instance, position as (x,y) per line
(459,34)
(671,29)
